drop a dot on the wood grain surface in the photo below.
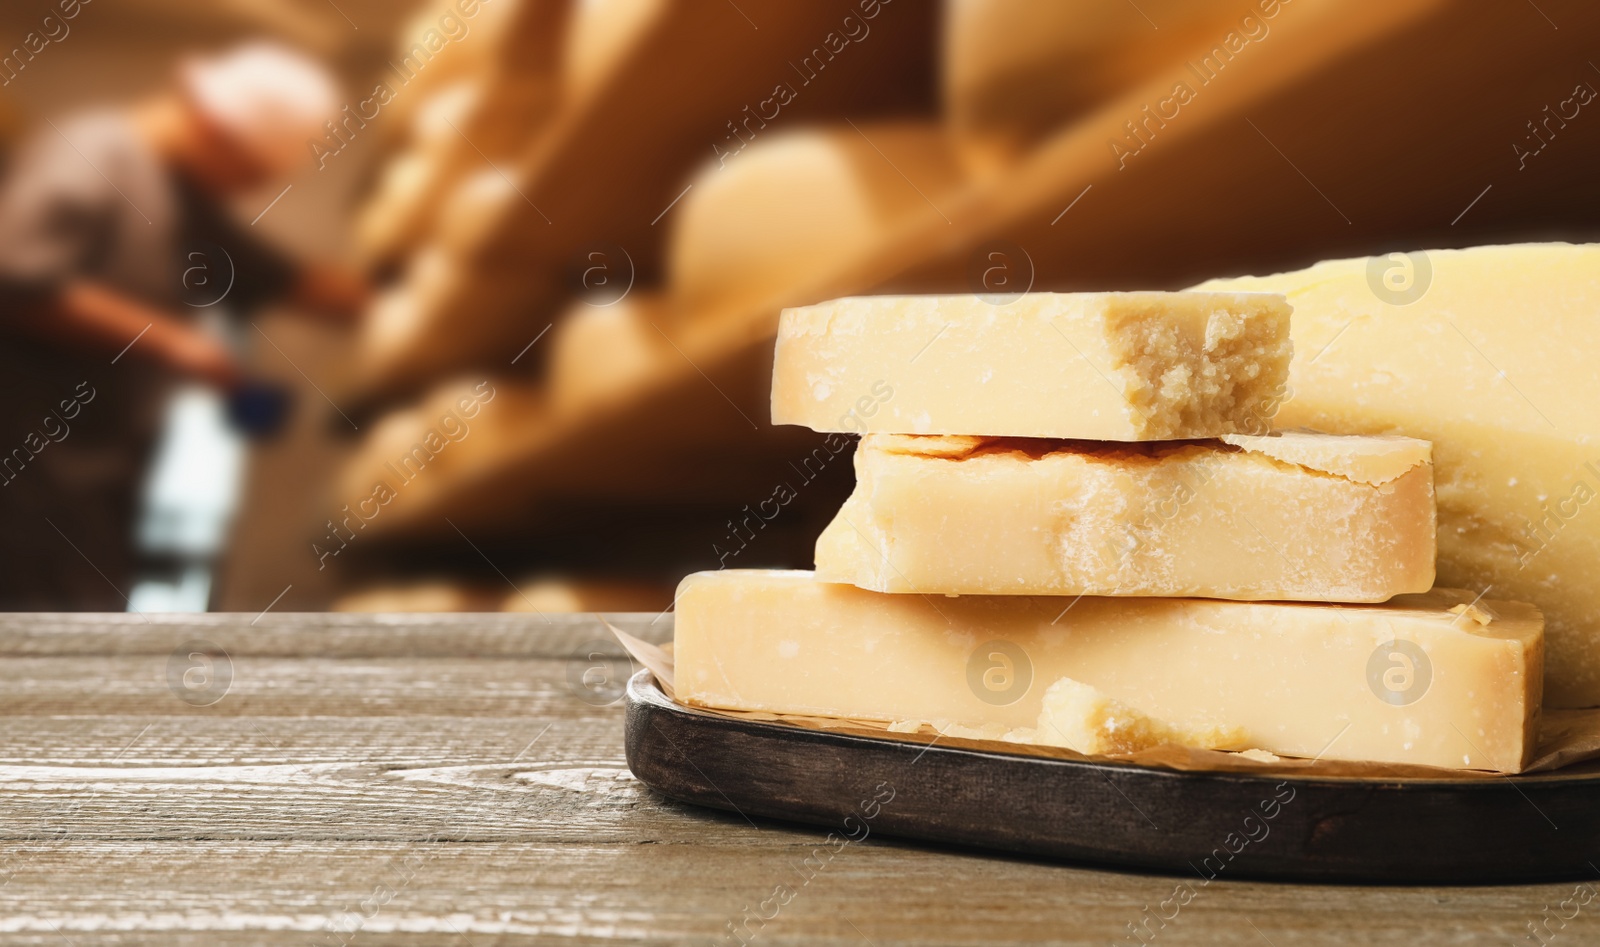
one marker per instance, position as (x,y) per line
(460,780)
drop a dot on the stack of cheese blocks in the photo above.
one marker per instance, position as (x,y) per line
(1073,525)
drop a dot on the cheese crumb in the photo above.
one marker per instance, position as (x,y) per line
(1477,613)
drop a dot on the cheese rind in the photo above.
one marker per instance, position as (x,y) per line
(1375,459)
(975,516)
(1299,680)
(1489,353)
(1081,718)
(1097,366)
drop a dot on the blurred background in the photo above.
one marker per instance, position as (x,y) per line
(469,305)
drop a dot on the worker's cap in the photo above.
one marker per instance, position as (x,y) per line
(268,99)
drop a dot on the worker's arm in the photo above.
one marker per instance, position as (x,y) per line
(86,316)
(57,216)
(336,293)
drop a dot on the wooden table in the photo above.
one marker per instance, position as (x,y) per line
(459,780)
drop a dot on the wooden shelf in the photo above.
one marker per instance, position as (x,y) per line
(611,164)
(1301,151)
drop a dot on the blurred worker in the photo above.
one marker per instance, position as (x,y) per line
(113,236)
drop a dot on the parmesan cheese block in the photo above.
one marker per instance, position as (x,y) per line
(1489,353)
(790,209)
(1406,682)
(1297,516)
(1096,366)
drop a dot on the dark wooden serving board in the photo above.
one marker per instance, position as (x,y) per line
(1196,825)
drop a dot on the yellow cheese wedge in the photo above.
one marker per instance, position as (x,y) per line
(1098,366)
(1303,517)
(1489,353)
(1406,682)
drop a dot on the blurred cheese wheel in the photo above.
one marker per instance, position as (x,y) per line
(514,112)
(458,58)
(394,216)
(435,595)
(510,414)
(600,353)
(386,218)
(391,438)
(444,315)
(398,315)
(793,208)
(398,213)
(450,108)
(587,595)
(1016,70)
(387,439)
(599,36)
(392,321)
(460,428)
(471,207)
